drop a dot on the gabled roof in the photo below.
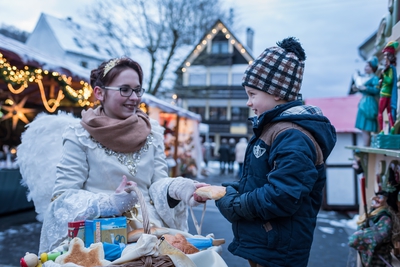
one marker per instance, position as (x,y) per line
(80,39)
(219,26)
(341,111)
(32,57)
(368,49)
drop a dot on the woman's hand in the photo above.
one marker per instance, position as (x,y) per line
(198,198)
(184,189)
(125,185)
(123,199)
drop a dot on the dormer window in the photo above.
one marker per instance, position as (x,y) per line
(95,47)
(197,79)
(237,78)
(219,79)
(84,64)
(77,42)
(219,47)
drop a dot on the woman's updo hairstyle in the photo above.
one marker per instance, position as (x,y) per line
(108,70)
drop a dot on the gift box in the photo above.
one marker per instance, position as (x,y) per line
(76,229)
(110,230)
(386,141)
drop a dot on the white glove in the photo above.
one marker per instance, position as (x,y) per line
(183,189)
(122,200)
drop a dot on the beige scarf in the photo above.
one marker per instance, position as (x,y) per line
(125,136)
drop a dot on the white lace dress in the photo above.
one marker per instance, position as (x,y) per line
(88,172)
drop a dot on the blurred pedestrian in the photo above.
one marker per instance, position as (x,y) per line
(273,208)
(240,151)
(204,149)
(224,155)
(231,162)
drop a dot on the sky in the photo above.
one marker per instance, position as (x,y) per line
(330,31)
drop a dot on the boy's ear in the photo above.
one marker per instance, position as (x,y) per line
(99,93)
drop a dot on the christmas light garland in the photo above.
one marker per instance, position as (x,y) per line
(18,80)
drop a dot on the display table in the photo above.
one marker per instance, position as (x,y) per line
(372,161)
(375,161)
(12,193)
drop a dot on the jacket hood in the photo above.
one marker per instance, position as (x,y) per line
(308,117)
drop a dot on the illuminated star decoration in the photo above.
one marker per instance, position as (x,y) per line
(17,112)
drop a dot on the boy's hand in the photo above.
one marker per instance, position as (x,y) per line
(225,204)
(235,185)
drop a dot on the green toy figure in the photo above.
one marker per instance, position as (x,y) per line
(388,84)
(367,85)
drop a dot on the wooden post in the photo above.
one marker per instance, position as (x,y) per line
(175,169)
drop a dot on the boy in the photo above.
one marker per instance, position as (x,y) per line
(273,208)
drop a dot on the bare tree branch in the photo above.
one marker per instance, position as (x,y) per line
(156,27)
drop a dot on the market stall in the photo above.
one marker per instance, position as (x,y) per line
(31,82)
(181,136)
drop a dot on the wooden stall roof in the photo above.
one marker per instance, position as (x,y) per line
(341,111)
(16,51)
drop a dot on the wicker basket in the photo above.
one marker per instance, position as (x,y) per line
(147,261)
(386,141)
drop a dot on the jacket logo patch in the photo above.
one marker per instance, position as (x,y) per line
(258,151)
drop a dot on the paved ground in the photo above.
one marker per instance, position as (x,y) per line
(19,233)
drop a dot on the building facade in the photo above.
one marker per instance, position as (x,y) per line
(209,83)
(73,42)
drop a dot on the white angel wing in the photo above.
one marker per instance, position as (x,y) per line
(38,155)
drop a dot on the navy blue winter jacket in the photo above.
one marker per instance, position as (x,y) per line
(282,185)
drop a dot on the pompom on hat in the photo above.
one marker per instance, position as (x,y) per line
(278,70)
(391,47)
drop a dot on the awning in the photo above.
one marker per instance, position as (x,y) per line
(161,104)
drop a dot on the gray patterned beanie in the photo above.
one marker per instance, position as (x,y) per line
(278,70)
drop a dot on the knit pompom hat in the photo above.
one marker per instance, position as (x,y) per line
(278,70)
(390,47)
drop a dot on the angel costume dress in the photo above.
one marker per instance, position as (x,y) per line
(89,170)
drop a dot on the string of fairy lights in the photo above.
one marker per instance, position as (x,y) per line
(18,80)
(204,45)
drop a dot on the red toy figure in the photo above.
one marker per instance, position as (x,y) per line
(388,82)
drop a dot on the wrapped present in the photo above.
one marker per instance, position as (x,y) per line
(76,229)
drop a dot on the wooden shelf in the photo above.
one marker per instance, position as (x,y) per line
(372,150)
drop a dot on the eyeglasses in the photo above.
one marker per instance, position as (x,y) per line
(126,90)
